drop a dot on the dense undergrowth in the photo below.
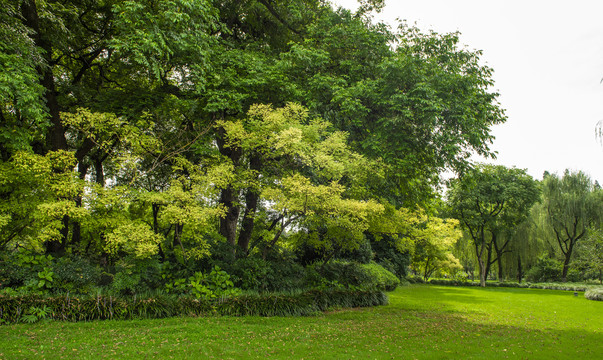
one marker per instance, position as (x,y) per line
(32,308)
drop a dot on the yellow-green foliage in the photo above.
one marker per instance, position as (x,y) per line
(29,217)
(133,238)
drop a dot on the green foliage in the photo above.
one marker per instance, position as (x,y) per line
(574,206)
(489,200)
(75,274)
(594,294)
(382,278)
(135,131)
(546,269)
(388,256)
(45,278)
(272,275)
(35,314)
(590,253)
(346,274)
(363,254)
(136,276)
(215,284)
(66,308)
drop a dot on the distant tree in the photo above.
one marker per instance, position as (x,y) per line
(487,199)
(590,253)
(433,247)
(573,205)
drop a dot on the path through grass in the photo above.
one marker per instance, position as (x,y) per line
(422,322)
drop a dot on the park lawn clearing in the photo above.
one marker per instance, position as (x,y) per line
(421,322)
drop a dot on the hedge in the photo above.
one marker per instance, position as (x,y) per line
(592,292)
(31,308)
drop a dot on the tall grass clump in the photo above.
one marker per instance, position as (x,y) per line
(594,294)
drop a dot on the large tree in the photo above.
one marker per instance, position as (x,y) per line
(574,206)
(133,90)
(486,200)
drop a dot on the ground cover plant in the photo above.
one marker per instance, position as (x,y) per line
(421,322)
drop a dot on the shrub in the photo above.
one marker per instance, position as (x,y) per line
(278,273)
(352,274)
(594,294)
(545,269)
(22,268)
(86,308)
(215,284)
(75,274)
(415,279)
(136,276)
(381,277)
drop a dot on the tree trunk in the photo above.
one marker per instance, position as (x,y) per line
(482,272)
(177,239)
(76,236)
(566,262)
(489,261)
(99,171)
(479,252)
(519,270)
(229,197)
(426,273)
(55,139)
(228,224)
(251,202)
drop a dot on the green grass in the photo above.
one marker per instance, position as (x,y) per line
(421,322)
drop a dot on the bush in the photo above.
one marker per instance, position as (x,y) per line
(25,308)
(594,294)
(75,274)
(278,273)
(136,276)
(415,279)
(352,274)
(21,268)
(382,278)
(545,270)
(13,275)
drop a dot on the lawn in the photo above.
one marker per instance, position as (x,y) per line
(421,322)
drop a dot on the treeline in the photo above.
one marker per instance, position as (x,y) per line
(516,227)
(145,142)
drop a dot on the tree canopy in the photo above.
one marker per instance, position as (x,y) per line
(487,200)
(145,129)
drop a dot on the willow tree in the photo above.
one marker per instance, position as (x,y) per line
(574,206)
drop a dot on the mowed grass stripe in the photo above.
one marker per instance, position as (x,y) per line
(421,322)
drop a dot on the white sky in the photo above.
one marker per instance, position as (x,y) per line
(547,58)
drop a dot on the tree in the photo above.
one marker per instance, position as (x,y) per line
(299,167)
(172,122)
(573,206)
(421,108)
(590,253)
(124,57)
(433,243)
(487,199)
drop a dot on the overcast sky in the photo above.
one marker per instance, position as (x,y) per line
(547,58)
